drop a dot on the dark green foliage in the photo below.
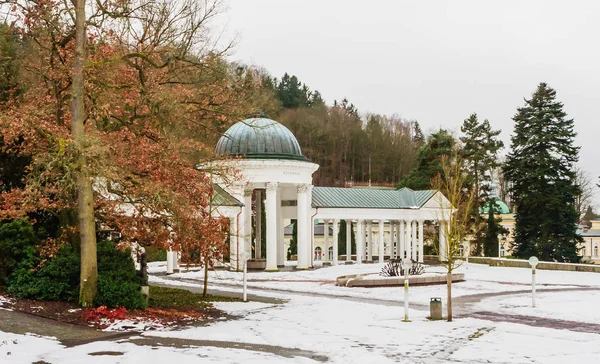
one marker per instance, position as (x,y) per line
(541,168)
(18,248)
(480,152)
(154,254)
(293,94)
(293,249)
(492,231)
(342,239)
(118,282)
(56,280)
(429,158)
(9,65)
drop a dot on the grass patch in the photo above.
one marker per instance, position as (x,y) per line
(181,299)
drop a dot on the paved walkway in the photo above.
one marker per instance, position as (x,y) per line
(68,334)
(462,305)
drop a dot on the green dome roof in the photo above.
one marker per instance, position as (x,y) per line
(259,138)
(500,207)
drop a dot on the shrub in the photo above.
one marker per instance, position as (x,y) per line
(393,268)
(58,278)
(118,282)
(154,254)
(18,248)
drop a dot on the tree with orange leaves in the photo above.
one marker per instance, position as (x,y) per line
(143,90)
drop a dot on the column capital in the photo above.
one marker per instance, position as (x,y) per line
(248,190)
(272,186)
(303,188)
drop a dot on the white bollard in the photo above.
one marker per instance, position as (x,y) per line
(170,262)
(533,261)
(245,290)
(406,264)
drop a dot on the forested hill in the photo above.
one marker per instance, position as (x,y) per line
(349,147)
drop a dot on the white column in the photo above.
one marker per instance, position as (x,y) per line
(360,241)
(408,239)
(303,228)
(420,255)
(336,232)
(401,238)
(369,241)
(258,225)
(381,246)
(348,240)
(443,249)
(326,240)
(393,245)
(310,247)
(271,206)
(234,240)
(281,252)
(414,240)
(246,229)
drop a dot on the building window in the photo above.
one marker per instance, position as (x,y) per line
(318,254)
(596,251)
(330,253)
(583,252)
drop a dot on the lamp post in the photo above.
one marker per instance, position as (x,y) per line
(406,264)
(533,261)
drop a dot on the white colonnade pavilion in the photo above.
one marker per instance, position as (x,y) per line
(267,161)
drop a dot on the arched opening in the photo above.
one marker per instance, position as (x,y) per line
(318,253)
(330,253)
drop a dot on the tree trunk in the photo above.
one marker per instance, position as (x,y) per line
(85,196)
(449,298)
(205,290)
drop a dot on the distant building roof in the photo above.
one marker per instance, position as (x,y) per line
(369,198)
(220,197)
(319,230)
(500,208)
(590,233)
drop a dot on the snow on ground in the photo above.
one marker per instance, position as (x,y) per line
(356,332)
(574,306)
(478,279)
(27,349)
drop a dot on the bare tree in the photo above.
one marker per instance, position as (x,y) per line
(586,191)
(455,202)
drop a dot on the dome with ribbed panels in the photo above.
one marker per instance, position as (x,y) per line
(259,138)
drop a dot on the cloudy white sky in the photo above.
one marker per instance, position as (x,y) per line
(433,61)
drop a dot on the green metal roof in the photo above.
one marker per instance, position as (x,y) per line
(221,197)
(259,138)
(500,208)
(369,198)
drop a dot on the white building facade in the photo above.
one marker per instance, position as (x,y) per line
(266,160)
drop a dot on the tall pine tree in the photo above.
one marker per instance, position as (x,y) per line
(480,152)
(541,169)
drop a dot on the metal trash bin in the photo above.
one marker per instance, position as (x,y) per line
(435,308)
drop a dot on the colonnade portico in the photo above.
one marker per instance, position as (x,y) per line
(404,239)
(267,157)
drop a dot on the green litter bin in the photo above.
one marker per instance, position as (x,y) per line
(435,308)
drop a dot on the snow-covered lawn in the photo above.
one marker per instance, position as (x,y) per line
(574,306)
(355,331)
(479,279)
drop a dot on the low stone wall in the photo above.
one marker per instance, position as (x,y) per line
(357,280)
(522,263)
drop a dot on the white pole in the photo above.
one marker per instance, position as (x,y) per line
(406,295)
(245,293)
(533,287)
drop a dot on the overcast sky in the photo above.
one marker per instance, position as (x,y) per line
(433,61)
